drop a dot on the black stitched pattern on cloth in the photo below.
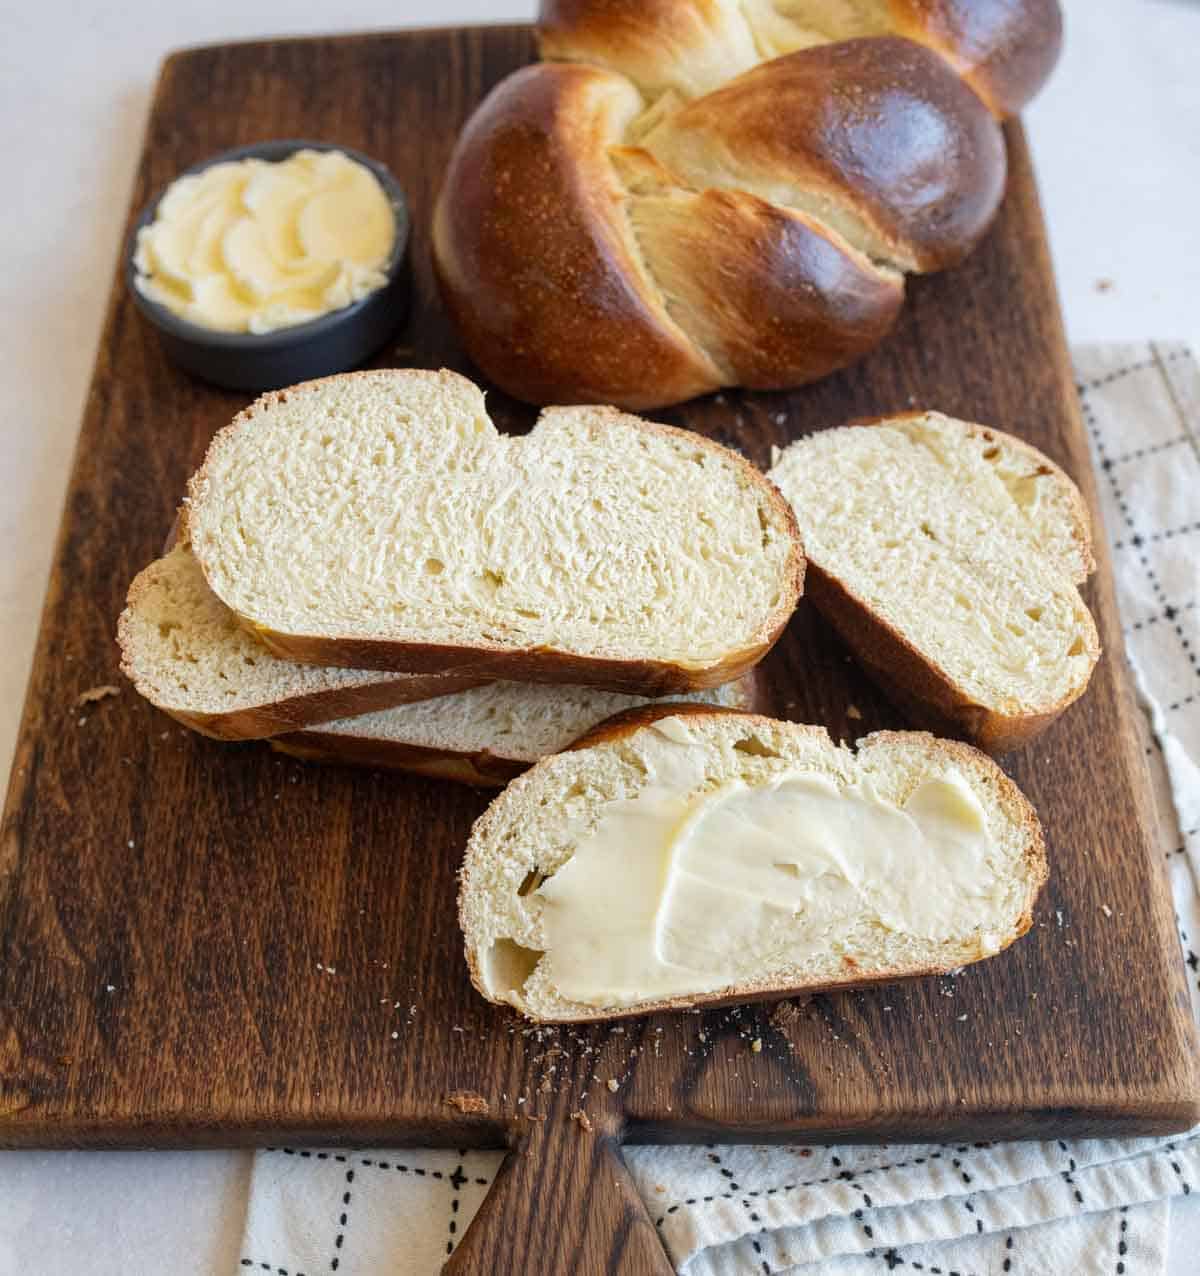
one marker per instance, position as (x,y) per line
(1168,534)
(1135,539)
(893,1260)
(1139,453)
(341,1236)
(1167,613)
(844,1176)
(1130,368)
(456,1180)
(314,1156)
(891,1257)
(1187,1187)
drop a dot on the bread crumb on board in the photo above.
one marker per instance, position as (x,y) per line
(92,694)
(613,1084)
(786,1015)
(468,1102)
(585,1122)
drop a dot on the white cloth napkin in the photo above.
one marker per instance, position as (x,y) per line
(1095,1206)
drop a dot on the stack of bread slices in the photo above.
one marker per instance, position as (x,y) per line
(366,570)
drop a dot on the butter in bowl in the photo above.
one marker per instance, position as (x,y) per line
(272,264)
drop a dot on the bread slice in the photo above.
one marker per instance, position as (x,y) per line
(485,736)
(997,471)
(379,520)
(185,651)
(947,555)
(635,873)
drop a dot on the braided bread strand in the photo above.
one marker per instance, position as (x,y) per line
(642,238)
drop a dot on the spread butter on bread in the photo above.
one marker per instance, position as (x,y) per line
(686,856)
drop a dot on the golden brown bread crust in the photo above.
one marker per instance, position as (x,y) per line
(881,126)
(558,292)
(774,299)
(1008,795)
(914,683)
(257,722)
(907,676)
(482,769)
(622,725)
(533,256)
(589,254)
(652,41)
(487,660)
(1005,49)
(254,722)
(548,282)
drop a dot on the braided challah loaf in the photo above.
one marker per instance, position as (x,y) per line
(703,193)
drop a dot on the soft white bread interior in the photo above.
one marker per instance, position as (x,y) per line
(379,520)
(947,555)
(998,471)
(185,651)
(486,735)
(708,856)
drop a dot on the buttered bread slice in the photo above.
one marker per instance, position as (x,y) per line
(379,520)
(486,735)
(688,856)
(947,555)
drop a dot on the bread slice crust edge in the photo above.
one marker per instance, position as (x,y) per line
(268,717)
(623,725)
(484,659)
(916,684)
(912,679)
(485,768)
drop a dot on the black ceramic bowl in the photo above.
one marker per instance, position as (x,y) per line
(267,361)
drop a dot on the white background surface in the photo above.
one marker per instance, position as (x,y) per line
(1116,138)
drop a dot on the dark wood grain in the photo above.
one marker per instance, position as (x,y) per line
(562,1202)
(170,905)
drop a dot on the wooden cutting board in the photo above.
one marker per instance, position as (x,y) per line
(203,944)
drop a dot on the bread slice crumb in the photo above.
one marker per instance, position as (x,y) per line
(533,829)
(468,1102)
(92,694)
(948,555)
(380,519)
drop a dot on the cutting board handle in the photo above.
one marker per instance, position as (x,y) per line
(563,1201)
